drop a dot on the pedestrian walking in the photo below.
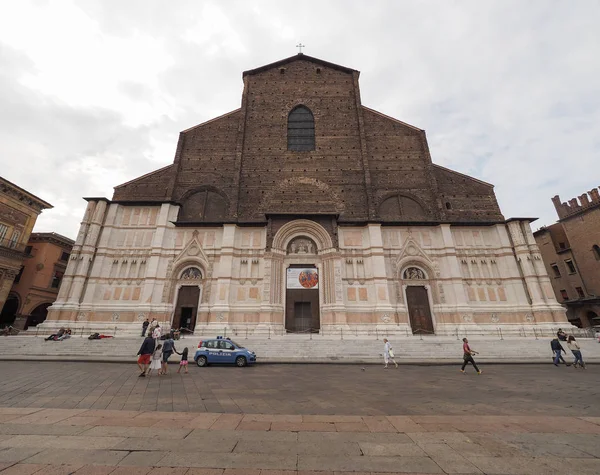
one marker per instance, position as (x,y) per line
(557,349)
(156,356)
(145,327)
(167,351)
(184,360)
(576,350)
(388,353)
(468,357)
(145,353)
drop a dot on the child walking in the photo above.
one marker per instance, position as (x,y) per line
(155,364)
(184,360)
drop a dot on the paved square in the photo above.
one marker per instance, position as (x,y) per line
(306,389)
(86,419)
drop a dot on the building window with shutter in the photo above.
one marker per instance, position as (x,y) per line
(3,231)
(580,292)
(14,239)
(56,278)
(555,269)
(301,130)
(570,266)
(596,250)
(564,295)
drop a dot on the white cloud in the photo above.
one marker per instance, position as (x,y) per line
(94,93)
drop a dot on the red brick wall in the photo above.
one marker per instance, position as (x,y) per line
(361,157)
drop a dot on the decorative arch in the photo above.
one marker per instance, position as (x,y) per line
(301,129)
(38,314)
(10,309)
(416,262)
(303,193)
(424,265)
(204,203)
(302,227)
(401,207)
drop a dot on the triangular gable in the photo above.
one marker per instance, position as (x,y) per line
(412,252)
(192,252)
(299,57)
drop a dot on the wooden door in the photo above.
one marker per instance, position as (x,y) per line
(302,311)
(419,312)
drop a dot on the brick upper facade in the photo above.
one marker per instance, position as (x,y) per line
(570,249)
(366,167)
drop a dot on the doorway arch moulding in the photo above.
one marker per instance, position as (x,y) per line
(323,259)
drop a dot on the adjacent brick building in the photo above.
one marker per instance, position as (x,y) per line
(19,210)
(571,252)
(304,210)
(36,286)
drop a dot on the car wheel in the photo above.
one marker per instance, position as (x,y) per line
(240,361)
(202,361)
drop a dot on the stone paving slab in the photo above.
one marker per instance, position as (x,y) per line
(542,448)
(298,394)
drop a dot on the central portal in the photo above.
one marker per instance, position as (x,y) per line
(186,308)
(302,299)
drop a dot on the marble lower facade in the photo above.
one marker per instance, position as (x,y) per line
(130,263)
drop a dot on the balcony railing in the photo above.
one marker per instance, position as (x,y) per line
(12,245)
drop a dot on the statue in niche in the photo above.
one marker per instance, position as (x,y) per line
(414,273)
(191,273)
(302,245)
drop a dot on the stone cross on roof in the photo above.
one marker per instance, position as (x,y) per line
(300,46)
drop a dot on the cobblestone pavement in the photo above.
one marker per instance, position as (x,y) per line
(306,389)
(95,419)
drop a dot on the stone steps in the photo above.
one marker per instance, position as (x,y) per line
(304,349)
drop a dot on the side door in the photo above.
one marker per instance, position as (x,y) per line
(213,353)
(228,351)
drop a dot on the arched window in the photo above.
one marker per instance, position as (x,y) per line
(400,208)
(301,130)
(596,250)
(203,205)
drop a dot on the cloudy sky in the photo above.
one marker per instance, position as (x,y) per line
(93,93)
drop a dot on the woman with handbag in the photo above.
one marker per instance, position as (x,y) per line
(388,353)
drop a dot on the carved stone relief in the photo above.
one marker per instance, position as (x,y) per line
(191,273)
(302,245)
(414,273)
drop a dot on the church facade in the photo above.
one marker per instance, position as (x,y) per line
(305,211)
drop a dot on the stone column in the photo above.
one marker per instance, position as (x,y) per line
(67,281)
(99,262)
(523,257)
(224,274)
(87,253)
(153,285)
(453,265)
(378,270)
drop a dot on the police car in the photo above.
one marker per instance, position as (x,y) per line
(223,351)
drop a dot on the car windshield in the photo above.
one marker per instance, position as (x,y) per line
(237,344)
